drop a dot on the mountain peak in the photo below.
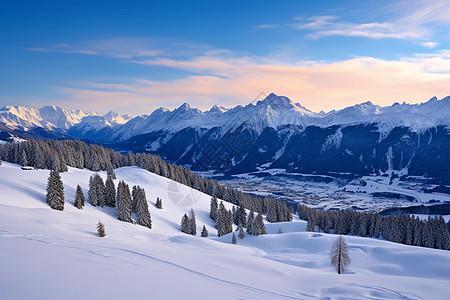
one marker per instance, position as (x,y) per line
(274,100)
(184,106)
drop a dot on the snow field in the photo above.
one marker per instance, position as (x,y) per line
(48,254)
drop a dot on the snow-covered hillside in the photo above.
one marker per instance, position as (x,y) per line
(48,254)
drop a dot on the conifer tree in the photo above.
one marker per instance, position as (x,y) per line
(101,229)
(258,225)
(311,225)
(242,214)
(110,191)
(92,193)
(339,255)
(79,198)
(192,223)
(123,201)
(241,233)
(233,239)
(185,224)
(143,214)
(213,208)
(158,203)
(250,220)
(110,172)
(204,231)
(55,191)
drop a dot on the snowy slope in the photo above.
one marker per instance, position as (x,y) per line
(48,254)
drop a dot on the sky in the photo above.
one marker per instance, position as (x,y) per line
(135,56)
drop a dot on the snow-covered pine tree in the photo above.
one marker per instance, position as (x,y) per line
(272,213)
(110,172)
(213,207)
(143,214)
(233,239)
(101,229)
(100,190)
(241,233)
(223,221)
(250,220)
(192,222)
(204,231)
(55,191)
(258,225)
(339,255)
(134,197)
(185,224)
(110,190)
(24,160)
(79,198)
(311,225)
(123,201)
(242,216)
(92,193)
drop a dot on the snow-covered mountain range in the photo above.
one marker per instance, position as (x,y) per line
(272,133)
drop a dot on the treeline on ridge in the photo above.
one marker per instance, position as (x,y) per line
(59,154)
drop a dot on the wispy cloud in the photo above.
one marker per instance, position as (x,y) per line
(429,45)
(399,20)
(115,47)
(127,48)
(230,80)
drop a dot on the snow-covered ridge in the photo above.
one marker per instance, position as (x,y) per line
(274,111)
(53,117)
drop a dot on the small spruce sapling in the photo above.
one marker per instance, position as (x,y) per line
(101,229)
(204,231)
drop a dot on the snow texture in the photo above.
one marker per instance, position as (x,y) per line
(48,254)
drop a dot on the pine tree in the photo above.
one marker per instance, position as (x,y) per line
(204,231)
(241,233)
(158,203)
(24,160)
(258,225)
(311,225)
(55,191)
(101,229)
(233,239)
(110,190)
(185,224)
(110,172)
(123,201)
(92,193)
(79,198)
(143,214)
(192,223)
(339,255)
(242,216)
(250,220)
(213,207)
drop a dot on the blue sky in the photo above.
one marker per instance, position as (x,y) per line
(134,56)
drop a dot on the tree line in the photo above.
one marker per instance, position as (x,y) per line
(404,229)
(59,154)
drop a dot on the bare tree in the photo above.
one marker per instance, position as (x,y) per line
(339,255)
